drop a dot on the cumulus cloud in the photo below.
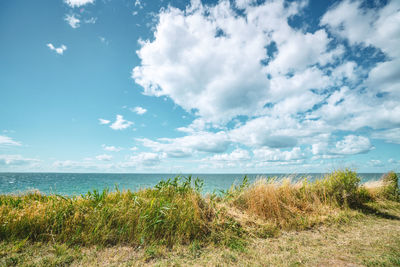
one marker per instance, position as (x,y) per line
(78,3)
(280,131)
(196,70)
(353,144)
(284,87)
(120,123)
(59,50)
(139,110)
(187,145)
(360,25)
(367,27)
(8,141)
(73,21)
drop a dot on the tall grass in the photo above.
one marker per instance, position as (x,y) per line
(174,211)
(171,212)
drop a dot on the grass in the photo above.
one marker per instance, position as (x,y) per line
(174,220)
(172,212)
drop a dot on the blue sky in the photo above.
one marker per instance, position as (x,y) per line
(202,86)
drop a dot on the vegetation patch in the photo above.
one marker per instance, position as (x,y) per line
(174,213)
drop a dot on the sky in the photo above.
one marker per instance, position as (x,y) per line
(239,86)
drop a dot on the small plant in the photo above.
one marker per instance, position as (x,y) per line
(152,252)
(180,184)
(236,189)
(195,249)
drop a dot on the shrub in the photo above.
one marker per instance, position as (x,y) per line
(363,195)
(390,188)
(341,186)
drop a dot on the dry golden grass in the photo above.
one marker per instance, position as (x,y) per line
(281,202)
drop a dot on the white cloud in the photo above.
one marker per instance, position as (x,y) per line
(59,50)
(242,4)
(120,123)
(78,3)
(134,148)
(238,158)
(146,159)
(267,154)
(112,148)
(280,131)
(390,136)
(290,87)
(299,83)
(202,75)
(352,144)
(139,110)
(5,140)
(103,121)
(297,51)
(348,21)
(197,71)
(385,78)
(104,157)
(195,126)
(319,148)
(185,146)
(16,160)
(359,25)
(72,21)
(349,109)
(369,27)
(236,155)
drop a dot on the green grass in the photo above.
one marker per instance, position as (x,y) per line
(171,212)
(174,213)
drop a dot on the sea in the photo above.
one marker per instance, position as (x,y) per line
(71,184)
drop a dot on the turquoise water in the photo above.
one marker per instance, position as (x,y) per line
(79,183)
